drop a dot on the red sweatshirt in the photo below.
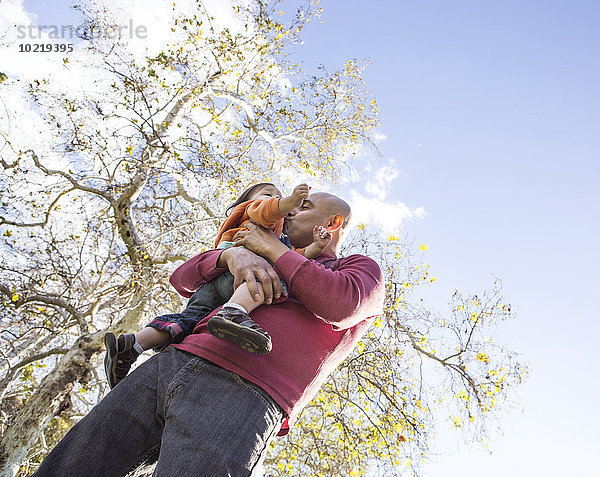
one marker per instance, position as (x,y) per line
(331,304)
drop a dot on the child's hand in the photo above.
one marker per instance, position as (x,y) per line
(321,236)
(289,203)
(300,193)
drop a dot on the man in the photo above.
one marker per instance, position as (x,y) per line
(206,407)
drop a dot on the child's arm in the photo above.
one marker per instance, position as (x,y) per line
(321,238)
(270,212)
(289,203)
(265,212)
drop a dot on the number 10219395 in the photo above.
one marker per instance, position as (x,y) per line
(45,47)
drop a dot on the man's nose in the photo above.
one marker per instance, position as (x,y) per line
(293,212)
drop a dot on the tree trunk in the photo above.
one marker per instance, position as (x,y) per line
(49,400)
(54,393)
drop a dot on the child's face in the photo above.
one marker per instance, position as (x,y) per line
(266,192)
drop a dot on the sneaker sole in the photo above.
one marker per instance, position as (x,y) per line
(110,363)
(246,338)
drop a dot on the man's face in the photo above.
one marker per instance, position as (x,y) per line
(299,223)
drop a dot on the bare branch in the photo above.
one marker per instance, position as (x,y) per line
(67,176)
(170,258)
(50,300)
(12,372)
(51,207)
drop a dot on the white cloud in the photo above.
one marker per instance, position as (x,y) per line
(380,183)
(154,17)
(390,216)
(13,13)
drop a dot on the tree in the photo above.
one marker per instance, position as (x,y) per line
(380,408)
(116,166)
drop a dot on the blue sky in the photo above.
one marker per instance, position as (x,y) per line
(491,112)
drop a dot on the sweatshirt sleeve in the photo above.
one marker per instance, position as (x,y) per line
(341,297)
(265,212)
(197,270)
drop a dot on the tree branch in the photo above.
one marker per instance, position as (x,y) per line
(14,369)
(170,258)
(48,212)
(67,176)
(47,300)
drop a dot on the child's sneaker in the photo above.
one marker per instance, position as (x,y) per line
(120,355)
(237,326)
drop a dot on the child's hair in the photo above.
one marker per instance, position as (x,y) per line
(247,194)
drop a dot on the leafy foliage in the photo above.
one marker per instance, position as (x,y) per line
(380,408)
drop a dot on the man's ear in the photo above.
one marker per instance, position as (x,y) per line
(335,222)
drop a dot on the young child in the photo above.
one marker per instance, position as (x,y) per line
(262,204)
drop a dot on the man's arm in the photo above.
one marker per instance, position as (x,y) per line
(246,266)
(243,265)
(341,297)
(196,271)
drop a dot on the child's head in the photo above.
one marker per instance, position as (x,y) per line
(263,190)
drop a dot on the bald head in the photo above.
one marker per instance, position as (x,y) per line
(320,208)
(334,206)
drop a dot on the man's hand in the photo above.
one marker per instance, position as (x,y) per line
(261,241)
(246,266)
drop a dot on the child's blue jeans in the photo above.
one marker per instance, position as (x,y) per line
(205,299)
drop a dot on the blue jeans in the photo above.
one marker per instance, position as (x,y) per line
(181,411)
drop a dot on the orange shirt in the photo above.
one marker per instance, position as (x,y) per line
(263,212)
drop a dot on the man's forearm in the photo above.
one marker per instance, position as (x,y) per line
(198,270)
(274,251)
(342,296)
